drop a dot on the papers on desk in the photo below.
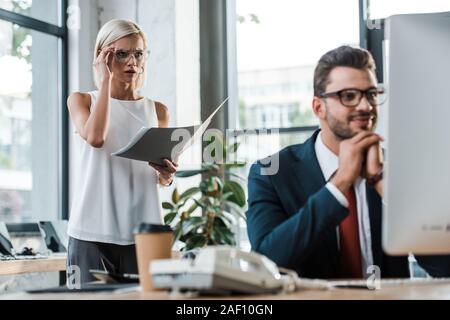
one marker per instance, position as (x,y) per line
(155,144)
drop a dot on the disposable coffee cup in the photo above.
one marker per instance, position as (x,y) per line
(152,242)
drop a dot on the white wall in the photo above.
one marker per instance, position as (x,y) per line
(81,48)
(157,18)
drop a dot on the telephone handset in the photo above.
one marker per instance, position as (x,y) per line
(218,270)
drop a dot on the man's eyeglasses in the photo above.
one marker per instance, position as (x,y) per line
(123,56)
(352,97)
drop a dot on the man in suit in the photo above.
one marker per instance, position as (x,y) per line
(320,212)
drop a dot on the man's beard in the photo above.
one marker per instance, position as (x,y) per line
(342,130)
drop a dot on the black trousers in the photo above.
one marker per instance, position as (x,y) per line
(83,256)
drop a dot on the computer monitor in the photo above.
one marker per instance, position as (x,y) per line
(416,215)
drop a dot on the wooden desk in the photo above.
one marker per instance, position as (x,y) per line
(14,267)
(429,292)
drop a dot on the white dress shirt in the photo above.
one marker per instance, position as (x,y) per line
(329,163)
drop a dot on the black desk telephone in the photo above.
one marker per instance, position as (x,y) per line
(32,239)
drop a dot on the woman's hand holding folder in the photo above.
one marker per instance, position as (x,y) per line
(165,173)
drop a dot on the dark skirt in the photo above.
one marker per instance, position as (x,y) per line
(83,256)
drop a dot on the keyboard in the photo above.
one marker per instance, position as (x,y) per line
(389,282)
(19,257)
(319,284)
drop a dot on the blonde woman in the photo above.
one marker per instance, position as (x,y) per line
(113,194)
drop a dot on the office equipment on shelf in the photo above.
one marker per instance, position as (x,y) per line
(416,213)
(55,235)
(6,247)
(218,270)
(27,239)
(21,241)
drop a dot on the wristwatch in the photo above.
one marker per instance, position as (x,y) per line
(373,180)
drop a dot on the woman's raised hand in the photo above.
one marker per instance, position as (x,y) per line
(103,64)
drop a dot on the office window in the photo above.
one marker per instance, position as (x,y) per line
(379,9)
(31,92)
(278,44)
(44,10)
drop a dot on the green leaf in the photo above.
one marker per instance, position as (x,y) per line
(229,236)
(241,19)
(224,220)
(200,204)
(189,173)
(224,235)
(175,196)
(180,205)
(229,217)
(226,195)
(237,176)
(238,196)
(192,223)
(254,18)
(178,232)
(195,241)
(205,186)
(189,192)
(167,205)
(168,218)
(192,208)
(217,182)
(215,238)
(212,186)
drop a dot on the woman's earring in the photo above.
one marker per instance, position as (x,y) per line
(142,70)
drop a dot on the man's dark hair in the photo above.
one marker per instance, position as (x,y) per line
(344,56)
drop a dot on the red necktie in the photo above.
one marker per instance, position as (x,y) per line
(350,253)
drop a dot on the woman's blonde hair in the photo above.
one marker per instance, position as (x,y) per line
(111,32)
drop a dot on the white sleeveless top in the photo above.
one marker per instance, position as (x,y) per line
(113,195)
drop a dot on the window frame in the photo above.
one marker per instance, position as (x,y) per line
(372,38)
(231,65)
(61,32)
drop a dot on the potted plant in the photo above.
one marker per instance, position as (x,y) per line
(208,214)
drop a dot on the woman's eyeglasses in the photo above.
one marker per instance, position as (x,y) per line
(123,56)
(352,97)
